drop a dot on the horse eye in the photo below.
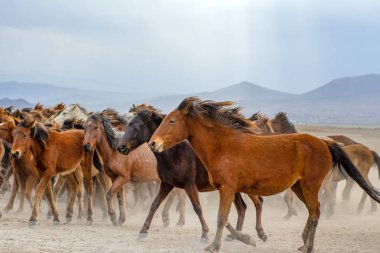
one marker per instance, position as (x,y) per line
(25,136)
(171,122)
(95,127)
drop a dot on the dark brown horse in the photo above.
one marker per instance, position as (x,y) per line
(237,160)
(178,167)
(55,153)
(138,167)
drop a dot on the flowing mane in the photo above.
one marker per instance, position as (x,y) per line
(283,120)
(114,117)
(39,132)
(143,107)
(220,112)
(108,130)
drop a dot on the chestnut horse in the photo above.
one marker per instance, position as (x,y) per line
(138,167)
(362,157)
(237,160)
(55,153)
(178,167)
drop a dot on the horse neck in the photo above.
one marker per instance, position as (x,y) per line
(104,148)
(205,138)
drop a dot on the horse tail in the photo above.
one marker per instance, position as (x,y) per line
(344,164)
(97,162)
(376,157)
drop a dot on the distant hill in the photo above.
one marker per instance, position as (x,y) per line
(359,87)
(50,95)
(348,100)
(17,103)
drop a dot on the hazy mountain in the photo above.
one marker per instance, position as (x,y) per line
(359,87)
(17,103)
(349,100)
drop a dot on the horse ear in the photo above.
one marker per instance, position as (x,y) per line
(156,118)
(16,120)
(30,121)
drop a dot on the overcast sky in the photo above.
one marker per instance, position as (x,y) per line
(188,46)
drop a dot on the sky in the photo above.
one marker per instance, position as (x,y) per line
(168,47)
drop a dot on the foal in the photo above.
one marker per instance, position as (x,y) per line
(179,167)
(55,153)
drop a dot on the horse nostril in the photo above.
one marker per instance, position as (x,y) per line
(16,154)
(152,144)
(87,147)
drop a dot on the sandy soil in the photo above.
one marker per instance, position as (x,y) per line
(344,232)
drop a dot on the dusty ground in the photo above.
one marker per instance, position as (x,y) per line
(344,232)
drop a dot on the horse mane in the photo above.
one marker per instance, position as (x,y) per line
(143,107)
(39,107)
(39,132)
(109,132)
(113,116)
(81,108)
(220,112)
(282,119)
(72,123)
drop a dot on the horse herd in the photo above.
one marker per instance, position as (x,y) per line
(201,146)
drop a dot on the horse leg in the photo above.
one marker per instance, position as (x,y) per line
(181,207)
(80,201)
(11,200)
(163,192)
(103,182)
(29,185)
(308,194)
(347,190)
(165,210)
(241,207)
(288,198)
(192,192)
(116,185)
(44,186)
(330,196)
(121,199)
(56,190)
(72,196)
(258,201)
(86,169)
(21,192)
(226,194)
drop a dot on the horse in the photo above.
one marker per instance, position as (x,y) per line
(55,153)
(178,167)
(138,167)
(362,157)
(71,112)
(117,121)
(238,160)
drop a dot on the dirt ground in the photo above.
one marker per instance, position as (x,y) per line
(345,232)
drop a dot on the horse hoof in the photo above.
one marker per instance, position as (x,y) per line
(305,249)
(180,224)
(68,220)
(90,222)
(204,239)
(166,224)
(115,223)
(6,210)
(229,238)
(56,223)
(212,248)
(142,237)
(264,237)
(32,223)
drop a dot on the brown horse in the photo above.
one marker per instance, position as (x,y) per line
(138,167)
(55,153)
(362,157)
(179,167)
(237,160)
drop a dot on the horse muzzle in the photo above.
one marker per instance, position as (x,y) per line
(87,147)
(156,146)
(16,154)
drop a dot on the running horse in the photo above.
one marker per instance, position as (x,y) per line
(55,153)
(138,167)
(237,160)
(179,167)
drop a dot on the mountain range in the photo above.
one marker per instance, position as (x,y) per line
(348,100)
